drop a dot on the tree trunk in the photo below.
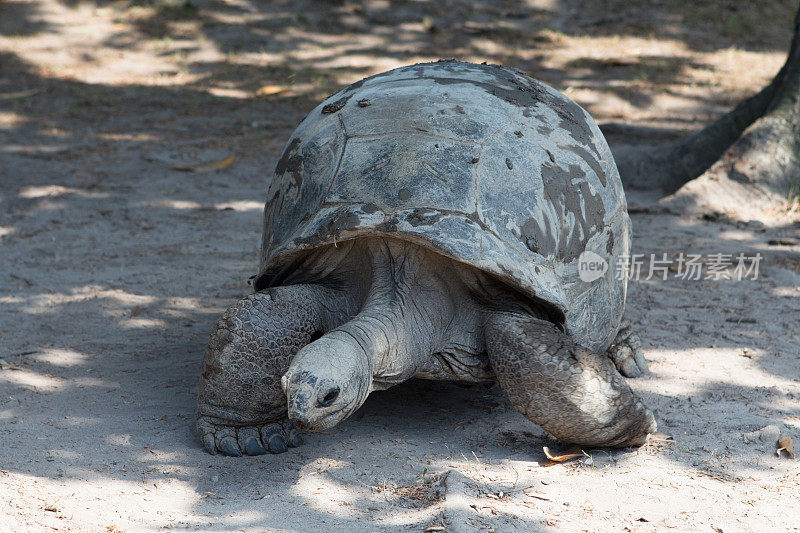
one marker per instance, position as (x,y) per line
(748,158)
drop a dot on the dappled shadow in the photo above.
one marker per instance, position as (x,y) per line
(115,267)
(701,26)
(243,25)
(313,48)
(749,318)
(100,366)
(19,19)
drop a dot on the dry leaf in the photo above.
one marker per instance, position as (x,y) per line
(660,437)
(620,62)
(5,365)
(19,94)
(572,453)
(535,494)
(786,445)
(203,167)
(135,311)
(240,4)
(268,90)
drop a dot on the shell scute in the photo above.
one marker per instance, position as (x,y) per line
(405,171)
(302,176)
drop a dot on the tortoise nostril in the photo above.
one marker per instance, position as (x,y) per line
(329,397)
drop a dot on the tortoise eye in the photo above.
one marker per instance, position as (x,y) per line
(329,397)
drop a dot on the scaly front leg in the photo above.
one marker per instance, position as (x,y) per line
(241,404)
(575,395)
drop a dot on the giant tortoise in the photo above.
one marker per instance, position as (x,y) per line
(433,222)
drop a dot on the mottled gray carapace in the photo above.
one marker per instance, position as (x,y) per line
(480,163)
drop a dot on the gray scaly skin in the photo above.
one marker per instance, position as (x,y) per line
(574,394)
(373,312)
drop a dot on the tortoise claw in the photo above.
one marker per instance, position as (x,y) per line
(232,441)
(253,447)
(250,441)
(277,444)
(229,447)
(627,354)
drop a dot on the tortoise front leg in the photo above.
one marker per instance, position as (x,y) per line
(242,407)
(575,395)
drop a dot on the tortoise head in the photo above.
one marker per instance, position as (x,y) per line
(327,381)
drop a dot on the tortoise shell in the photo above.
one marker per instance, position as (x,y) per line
(480,163)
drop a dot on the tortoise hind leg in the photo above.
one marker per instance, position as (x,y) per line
(626,352)
(575,395)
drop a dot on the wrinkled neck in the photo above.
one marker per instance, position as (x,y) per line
(403,304)
(402,298)
(405,312)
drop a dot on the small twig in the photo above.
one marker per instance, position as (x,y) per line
(28,282)
(742,320)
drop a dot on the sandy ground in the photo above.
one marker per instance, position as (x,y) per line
(115,266)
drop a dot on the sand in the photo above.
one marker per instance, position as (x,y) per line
(114,266)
